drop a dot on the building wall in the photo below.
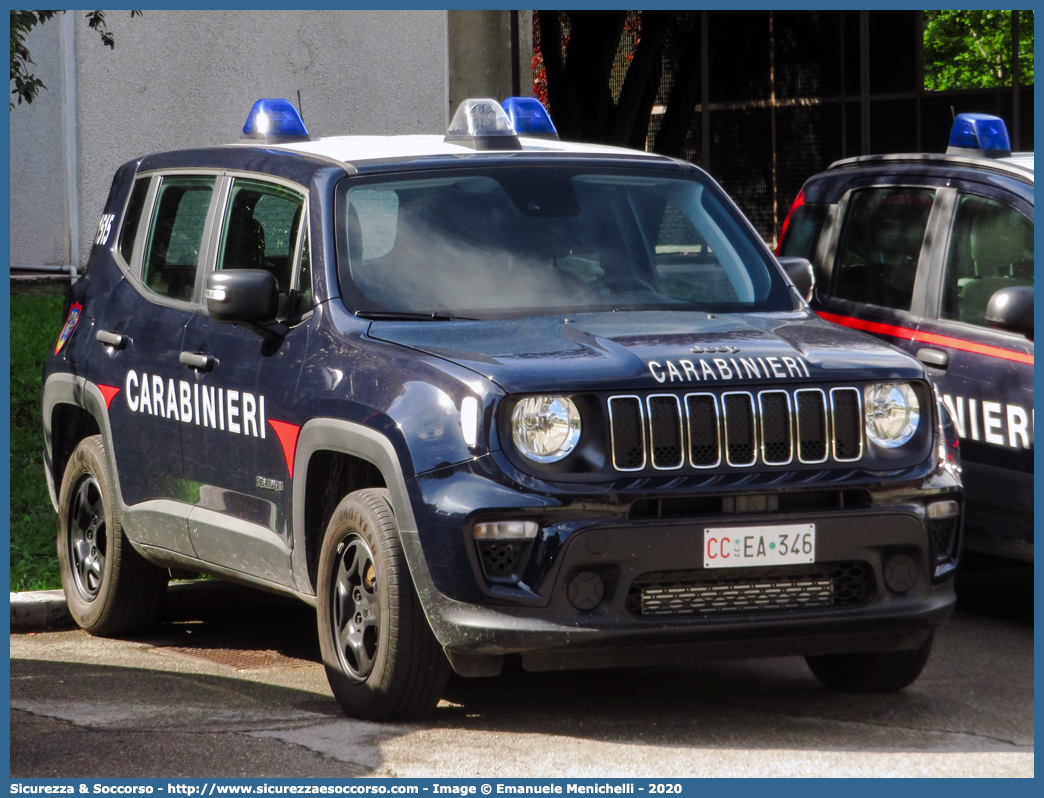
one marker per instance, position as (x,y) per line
(188,78)
(38,215)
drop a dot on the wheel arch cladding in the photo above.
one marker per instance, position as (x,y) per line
(331,475)
(70,424)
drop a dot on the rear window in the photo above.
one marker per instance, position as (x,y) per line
(803,230)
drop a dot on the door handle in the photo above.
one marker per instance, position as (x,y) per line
(935,358)
(197,361)
(115,340)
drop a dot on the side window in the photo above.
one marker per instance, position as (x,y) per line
(881,246)
(133,218)
(991,247)
(262,223)
(176,236)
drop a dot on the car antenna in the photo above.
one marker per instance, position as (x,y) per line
(953,112)
(302,112)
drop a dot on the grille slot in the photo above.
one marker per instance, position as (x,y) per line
(783,588)
(665,431)
(813,446)
(740,437)
(846,411)
(733,429)
(627,429)
(704,445)
(777,443)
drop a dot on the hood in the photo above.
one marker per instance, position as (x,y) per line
(643,350)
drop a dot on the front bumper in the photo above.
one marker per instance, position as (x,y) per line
(615,632)
(479,622)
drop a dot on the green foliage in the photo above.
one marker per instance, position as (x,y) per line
(35,324)
(26,84)
(972,49)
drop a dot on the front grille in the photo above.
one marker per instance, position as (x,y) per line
(776,443)
(800,587)
(665,431)
(845,405)
(628,433)
(739,429)
(813,437)
(740,444)
(702,412)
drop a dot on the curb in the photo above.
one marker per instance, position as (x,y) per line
(35,610)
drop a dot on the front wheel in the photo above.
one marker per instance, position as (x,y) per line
(873,672)
(110,589)
(381,658)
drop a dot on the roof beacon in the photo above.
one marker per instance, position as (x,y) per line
(482,125)
(529,118)
(979,136)
(275,121)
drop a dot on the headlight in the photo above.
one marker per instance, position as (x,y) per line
(892,413)
(545,428)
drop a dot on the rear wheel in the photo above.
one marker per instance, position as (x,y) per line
(873,672)
(110,589)
(381,658)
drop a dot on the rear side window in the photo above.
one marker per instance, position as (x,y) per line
(881,246)
(176,236)
(133,218)
(991,247)
(806,222)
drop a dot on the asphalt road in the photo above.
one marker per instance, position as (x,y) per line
(240,694)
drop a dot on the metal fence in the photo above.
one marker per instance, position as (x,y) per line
(786,99)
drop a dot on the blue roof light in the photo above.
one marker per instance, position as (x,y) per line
(979,134)
(275,119)
(529,117)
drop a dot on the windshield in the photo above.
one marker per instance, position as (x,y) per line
(541,239)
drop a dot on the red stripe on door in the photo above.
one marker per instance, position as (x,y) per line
(287,434)
(926,337)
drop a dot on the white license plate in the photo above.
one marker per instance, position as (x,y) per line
(754,546)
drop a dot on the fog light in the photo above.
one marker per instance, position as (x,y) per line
(900,573)
(506,530)
(585,590)
(946,509)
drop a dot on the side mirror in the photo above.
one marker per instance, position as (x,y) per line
(1012,309)
(247,297)
(799,270)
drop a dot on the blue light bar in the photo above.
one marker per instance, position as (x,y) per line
(983,135)
(529,118)
(275,120)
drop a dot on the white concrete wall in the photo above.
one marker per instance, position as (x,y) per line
(188,78)
(38,216)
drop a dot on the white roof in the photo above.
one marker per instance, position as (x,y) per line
(354,149)
(1023,159)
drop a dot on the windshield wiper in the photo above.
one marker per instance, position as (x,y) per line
(401,315)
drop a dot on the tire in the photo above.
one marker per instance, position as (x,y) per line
(874,672)
(381,657)
(110,589)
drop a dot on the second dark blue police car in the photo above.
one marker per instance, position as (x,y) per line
(488,395)
(934,254)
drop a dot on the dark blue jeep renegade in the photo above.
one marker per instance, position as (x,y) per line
(488,395)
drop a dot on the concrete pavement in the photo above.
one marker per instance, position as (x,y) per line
(173,704)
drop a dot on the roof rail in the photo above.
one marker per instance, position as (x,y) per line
(1001,165)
